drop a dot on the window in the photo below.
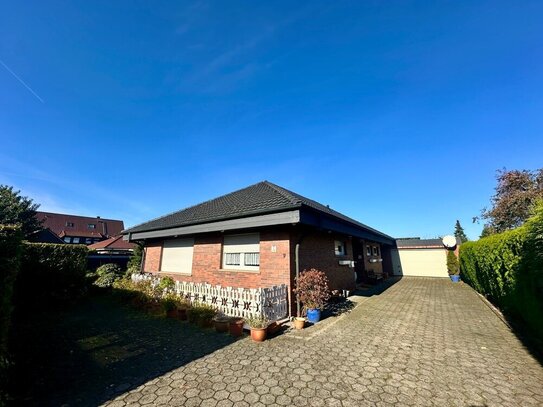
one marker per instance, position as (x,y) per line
(368,250)
(91,226)
(340,248)
(67,239)
(376,250)
(88,240)
(241,252)
(70,224)
(76,240)
(177,256)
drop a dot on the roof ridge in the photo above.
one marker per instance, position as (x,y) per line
(285,193)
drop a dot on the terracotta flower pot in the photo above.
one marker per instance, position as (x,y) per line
(258,334)
(182,314)
(299,323)
(236,327)
(221,324)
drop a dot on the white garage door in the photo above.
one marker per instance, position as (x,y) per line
(421,262)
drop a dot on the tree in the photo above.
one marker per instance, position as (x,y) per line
(453,266)
(134,264)
(516,194)
(459,232)
(18,210)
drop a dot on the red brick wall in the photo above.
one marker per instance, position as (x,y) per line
(153,252)
(317,251)
(206,262)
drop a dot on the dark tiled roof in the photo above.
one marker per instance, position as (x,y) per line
(113,243)
(260,198)
(419,243)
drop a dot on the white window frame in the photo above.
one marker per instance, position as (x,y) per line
(375,251)
(340,247)
(245,245)
(368,250)
(177,248)
(76,240)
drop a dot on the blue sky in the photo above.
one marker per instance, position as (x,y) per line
(395,113)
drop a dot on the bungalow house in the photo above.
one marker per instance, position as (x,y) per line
(261,236)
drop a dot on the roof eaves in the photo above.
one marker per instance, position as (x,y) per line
(215,219)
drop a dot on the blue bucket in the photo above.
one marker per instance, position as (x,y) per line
(313,315)
(455,278)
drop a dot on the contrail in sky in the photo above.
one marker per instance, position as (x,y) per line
(22,82)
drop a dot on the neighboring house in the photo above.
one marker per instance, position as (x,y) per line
(112,250)
(80,229)
(261,236)
(44,236)
(421,257)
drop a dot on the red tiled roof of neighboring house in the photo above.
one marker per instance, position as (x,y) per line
(61,224)
(113,243)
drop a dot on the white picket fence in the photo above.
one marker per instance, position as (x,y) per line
(236,302)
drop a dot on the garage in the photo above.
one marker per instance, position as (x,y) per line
(420,258)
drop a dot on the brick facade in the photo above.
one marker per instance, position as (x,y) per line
(317,251)
(277,260)
(206,262)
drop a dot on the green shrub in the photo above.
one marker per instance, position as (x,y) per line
(166,283)
(108,274)
(508,269)
(51,273)
(10,251)
(452,263)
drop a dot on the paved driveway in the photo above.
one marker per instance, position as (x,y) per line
(420,342)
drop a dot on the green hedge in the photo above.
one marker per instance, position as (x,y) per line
(51,273)
(10,250)
(508,269)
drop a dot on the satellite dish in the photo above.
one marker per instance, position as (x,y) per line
(449,241)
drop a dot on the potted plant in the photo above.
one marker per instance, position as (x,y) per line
(206,315)
(182,310)
(193,314)
(169,304)
(258,325)
(453,267)
(235,327)
(221,323)
(312,290)
(299,322)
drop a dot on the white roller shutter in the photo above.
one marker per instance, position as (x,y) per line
(241,252)
(177,256)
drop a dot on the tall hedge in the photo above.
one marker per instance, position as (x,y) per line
(51,273)
(508,269)
(10,250)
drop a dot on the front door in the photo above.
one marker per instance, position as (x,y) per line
(358,257)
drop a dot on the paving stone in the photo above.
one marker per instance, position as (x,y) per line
(421,341)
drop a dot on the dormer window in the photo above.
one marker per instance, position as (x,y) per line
(91,226)
(69,224)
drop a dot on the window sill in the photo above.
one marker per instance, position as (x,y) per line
(181,273)
(241,270)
